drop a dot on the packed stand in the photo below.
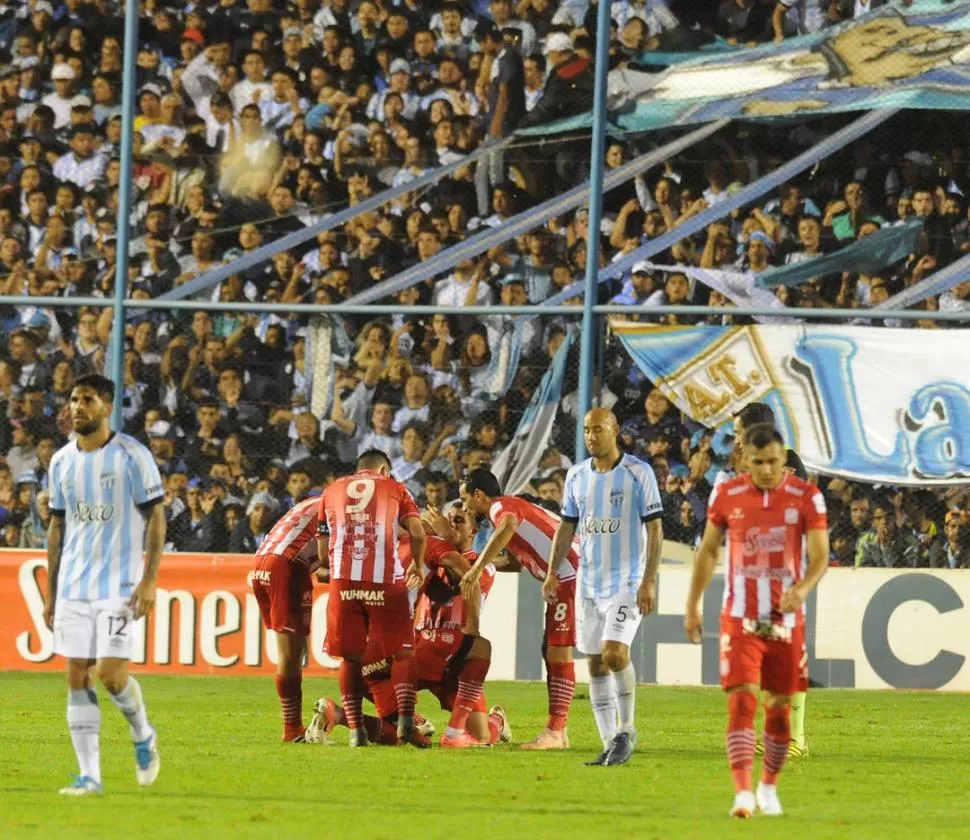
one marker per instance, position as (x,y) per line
(256,119)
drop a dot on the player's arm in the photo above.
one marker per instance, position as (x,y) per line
(704,564)
(456,566)
(143,598)
(818,564)
(418,542)
(647,593)
(55,543)
(497,543)
(561,542)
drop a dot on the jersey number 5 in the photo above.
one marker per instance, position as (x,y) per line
(361,491)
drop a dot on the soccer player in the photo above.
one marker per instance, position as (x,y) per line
(369,611)
(283,585)
(755,414)
(765,513)
(525,531)
(106,509)
(453,660)
(615,502)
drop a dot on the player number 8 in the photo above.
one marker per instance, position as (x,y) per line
(560,613)
(361,491)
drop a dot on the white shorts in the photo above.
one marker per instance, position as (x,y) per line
(600,620)
(93,629)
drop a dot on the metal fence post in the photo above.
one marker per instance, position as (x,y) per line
(124,210)
(597,164)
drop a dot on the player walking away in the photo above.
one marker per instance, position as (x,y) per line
(756,414)
(525,531)
(766,513)
(615,502)
(369,612)
(283,585)
(452,659)
(106,509)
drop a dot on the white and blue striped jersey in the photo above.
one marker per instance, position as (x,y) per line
(99,495)
(610,510)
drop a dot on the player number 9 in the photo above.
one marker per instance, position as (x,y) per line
(361,491)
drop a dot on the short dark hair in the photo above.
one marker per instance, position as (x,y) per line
(372,459)
(756,414)
(484,480)
(101,385)
(762,435)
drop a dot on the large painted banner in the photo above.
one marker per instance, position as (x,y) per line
(917,58)
(889,406)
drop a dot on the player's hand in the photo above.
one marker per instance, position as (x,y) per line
(49,613)
(694,625)
(549,587)
(469,581)
(647,596)
(143,598)
(413,577)
(792,600)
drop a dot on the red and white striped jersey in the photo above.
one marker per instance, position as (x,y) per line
(764,543)
(294,537)
(430,612)
(532,543)
(361,514)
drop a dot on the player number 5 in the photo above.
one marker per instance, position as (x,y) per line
(361,491)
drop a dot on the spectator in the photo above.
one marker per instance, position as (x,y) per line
(250,531)
(951,549)
(888,546)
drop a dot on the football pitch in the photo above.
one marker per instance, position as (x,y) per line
(883,765)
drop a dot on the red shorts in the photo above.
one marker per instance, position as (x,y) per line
(561,616)
(368,617)
(777,665)
(284,593)
(434,675)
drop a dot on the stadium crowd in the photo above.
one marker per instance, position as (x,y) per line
(256,118)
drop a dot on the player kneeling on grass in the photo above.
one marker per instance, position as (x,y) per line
(452,658)
(766,514)
(283,585)
(614,501)
(106,509)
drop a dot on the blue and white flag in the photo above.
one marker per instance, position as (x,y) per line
(885,406)
(517,463)
(864,256)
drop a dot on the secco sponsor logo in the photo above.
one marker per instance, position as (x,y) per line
(605,525)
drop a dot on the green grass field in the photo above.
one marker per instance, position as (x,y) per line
(883,765)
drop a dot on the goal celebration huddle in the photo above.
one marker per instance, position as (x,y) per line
(407,591)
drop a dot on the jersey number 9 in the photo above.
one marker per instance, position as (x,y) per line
(361,492)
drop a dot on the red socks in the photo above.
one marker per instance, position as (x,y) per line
(740,739)
(351,692)
(777,736)
(471,685)
(404,679)
(561,685)
(290,692)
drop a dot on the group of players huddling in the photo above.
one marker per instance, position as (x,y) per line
(406,592)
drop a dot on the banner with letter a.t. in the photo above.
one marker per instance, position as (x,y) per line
(889,406)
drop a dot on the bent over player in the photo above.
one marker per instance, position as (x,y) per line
(283,585)
(369,611)
(106,509)
(614,501)
(525,531)
(766,514)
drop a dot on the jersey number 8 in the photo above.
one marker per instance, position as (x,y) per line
(560,613)
(361,491)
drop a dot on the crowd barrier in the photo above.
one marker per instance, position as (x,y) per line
(866,628)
